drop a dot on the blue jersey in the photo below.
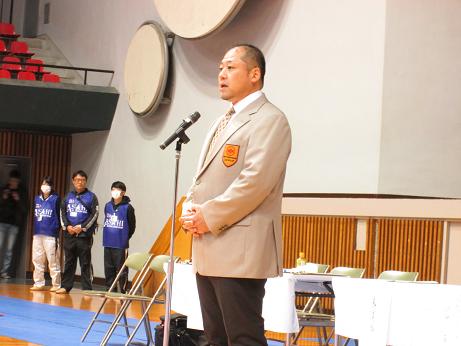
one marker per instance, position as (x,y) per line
(116,228)
(46,218)
(78,208)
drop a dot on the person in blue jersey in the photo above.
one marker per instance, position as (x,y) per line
(45,244)
(79,212)
(119,226)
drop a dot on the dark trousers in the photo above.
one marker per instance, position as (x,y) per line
(77,248)
(231,310)
(113,262)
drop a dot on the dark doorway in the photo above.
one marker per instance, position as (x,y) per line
(21,256)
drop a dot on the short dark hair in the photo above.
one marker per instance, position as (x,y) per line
(254,54)
(118,185)
(80,173)
(48,180)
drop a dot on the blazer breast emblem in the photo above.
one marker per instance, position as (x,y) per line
(230,154)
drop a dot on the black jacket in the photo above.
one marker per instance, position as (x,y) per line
(12,211)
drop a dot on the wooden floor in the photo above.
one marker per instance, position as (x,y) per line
(4,341)
(75,299)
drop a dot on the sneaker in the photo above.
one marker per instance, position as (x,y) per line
(61,290)
(54,289)
(38,288)
(5,276)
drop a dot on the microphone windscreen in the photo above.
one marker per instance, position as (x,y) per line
(194,117)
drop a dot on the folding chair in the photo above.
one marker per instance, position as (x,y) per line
(138,261)
(318,318)
(396,275)
(156,265)
(312,268)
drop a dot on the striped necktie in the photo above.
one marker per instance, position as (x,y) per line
(222,125)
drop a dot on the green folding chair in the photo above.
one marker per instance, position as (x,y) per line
(396,275)
(317,318)
(313,268)
(157,265)
(139,262)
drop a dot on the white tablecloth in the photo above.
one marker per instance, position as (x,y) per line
(279,311)
(379,312)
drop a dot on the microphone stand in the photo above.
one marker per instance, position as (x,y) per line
(182,139)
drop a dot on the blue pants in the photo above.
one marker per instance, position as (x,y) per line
(8,236)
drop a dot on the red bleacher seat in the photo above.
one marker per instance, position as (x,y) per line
(5,74)
(12,67)
(7,30)
(26,75)
(51,77)
(3,50)
(34,68)
(20,48)
(38,70)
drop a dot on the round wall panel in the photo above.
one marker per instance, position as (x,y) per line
(197,18)
(146,69)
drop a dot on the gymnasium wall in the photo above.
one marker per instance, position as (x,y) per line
(420,141)
(333,66)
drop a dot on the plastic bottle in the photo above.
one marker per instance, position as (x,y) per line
(301,260)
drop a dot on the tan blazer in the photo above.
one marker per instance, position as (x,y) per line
(240,190)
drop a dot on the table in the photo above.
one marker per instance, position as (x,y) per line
(379,312)
(279,310)
(315,285)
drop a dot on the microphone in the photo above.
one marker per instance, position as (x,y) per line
(186,123)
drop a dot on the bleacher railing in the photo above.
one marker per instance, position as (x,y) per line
(85,70)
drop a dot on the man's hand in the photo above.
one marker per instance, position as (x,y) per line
(185,224)
(192,220)
(70,229)
(78,229)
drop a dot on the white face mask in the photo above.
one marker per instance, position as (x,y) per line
(45,189)
(116,194)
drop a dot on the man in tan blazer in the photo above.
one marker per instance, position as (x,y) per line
(233,208)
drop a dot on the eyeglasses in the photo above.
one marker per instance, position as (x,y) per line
(79,180)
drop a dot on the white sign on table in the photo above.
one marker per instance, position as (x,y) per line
(379,312)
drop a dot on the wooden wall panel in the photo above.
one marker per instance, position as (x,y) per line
(402,244)
(49,154)
(326,240)
(397,244)
(410,245)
